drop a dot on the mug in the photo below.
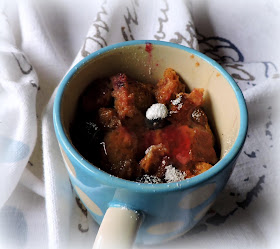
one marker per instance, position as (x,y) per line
(151,213)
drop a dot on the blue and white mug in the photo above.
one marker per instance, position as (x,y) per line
(151,213)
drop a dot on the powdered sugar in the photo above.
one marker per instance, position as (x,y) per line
(157,111)
(180,106)
(150,179)
(90,126)
(177,101)
(173,175)
(196,114)
(149,148)
(163,162)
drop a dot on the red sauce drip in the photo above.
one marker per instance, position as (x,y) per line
(176,139)
(149,47)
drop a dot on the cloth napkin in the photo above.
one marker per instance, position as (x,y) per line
(38,206)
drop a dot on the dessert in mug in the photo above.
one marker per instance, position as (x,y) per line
(144,132)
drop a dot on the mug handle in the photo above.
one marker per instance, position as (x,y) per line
(118,229)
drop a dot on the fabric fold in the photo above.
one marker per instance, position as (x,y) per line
(18,125)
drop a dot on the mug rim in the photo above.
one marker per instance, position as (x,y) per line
(117,182)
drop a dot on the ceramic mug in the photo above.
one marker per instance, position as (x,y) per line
(151,213)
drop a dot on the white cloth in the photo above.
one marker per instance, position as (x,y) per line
(39,41)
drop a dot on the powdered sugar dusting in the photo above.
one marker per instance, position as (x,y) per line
(163,162)
(157,111)
(180,106)
(173,175)
(150,179)
(148,150)
(196,114)
(90,125)
(177,101)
